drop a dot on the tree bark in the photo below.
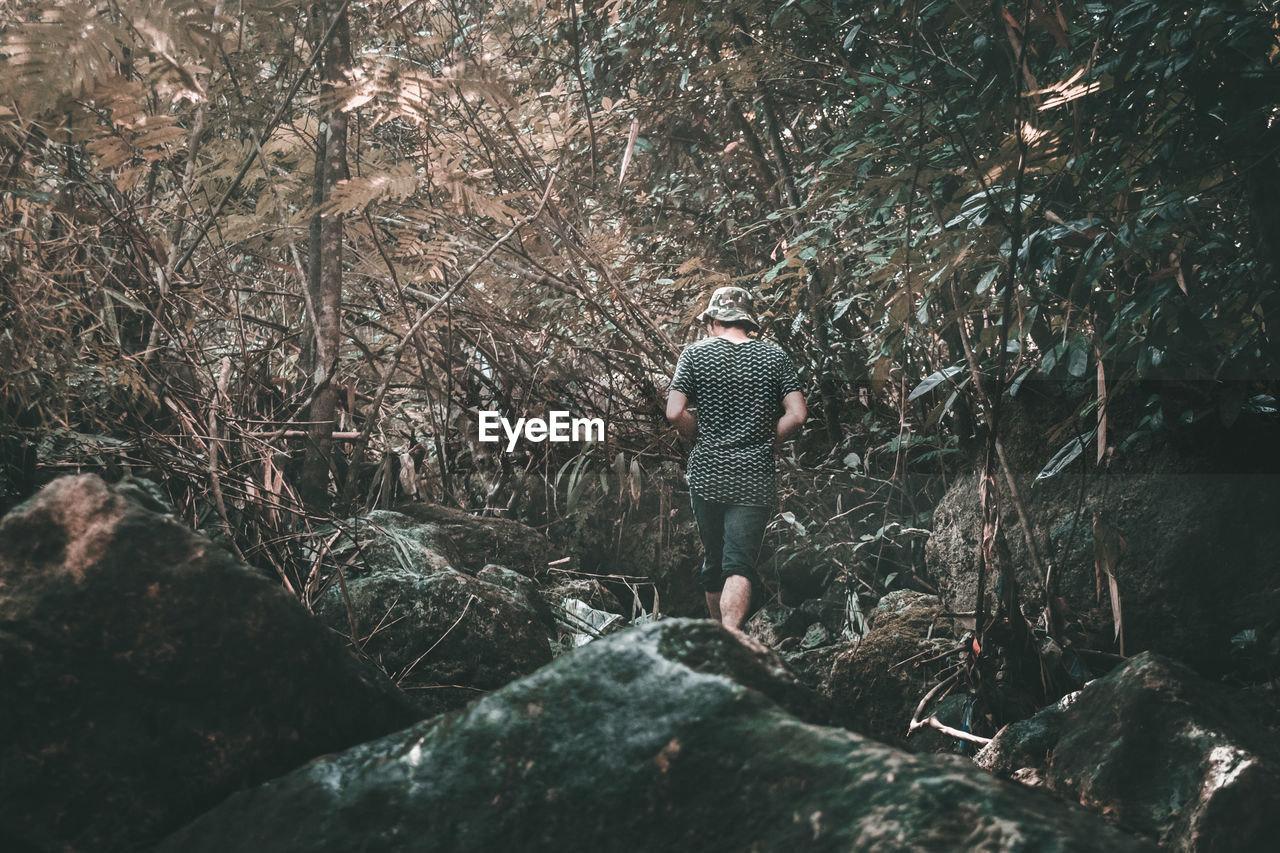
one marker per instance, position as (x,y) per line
(815,296)
(325,278)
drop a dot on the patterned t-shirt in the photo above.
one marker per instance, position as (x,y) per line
(738,390)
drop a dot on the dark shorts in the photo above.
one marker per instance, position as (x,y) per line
(731,536)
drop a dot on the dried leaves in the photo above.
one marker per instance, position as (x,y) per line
(1109,549)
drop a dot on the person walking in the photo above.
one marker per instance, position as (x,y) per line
(739,398)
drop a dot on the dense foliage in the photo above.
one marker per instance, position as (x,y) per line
(933,200)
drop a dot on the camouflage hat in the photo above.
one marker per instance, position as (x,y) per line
(730,304)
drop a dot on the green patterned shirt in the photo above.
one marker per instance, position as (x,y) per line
(738,390)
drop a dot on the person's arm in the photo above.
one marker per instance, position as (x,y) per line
(794,412)
(680,416)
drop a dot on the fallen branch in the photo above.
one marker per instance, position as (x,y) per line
(955,733)
(917,723)
(941,685)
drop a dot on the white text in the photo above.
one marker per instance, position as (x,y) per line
(558,426)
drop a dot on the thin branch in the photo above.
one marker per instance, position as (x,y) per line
(455,624)
(944,685)
(270,128)
(349,486)
(955,733)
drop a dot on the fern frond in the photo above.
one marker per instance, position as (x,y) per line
(355,194)
(65,53)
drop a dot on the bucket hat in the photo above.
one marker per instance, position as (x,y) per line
(730,304)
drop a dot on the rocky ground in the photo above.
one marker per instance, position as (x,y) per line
(449,693)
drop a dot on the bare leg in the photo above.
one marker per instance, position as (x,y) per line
(734,601)
(713,605)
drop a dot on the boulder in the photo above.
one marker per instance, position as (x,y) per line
(670,736)
(525,591)
(777,626)
(147,674)
(443,637)
(587,590)
(1200,551)
(385,540)
(1158,749)
(879,681)
(480,540)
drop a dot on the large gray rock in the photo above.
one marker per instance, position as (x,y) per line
(777,626)
(444,637)
(479,541)
(384,540)
(1201,552)
(147,675)
(670,736)
(877,682)
(524,589)
(1160,750)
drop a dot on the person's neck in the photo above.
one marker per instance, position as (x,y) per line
(730,333)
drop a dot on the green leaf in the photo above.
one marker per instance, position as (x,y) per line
(1050,359)
(1016,384)
(933,380)
(1077,361)
(790,518)
(841,307)
(1064,457)
(985,282)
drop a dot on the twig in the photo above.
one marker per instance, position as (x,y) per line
(337,435)
(346,600)
(381,623)
(945,684)
(936,657)
(214,443)
(569,620)
(315,569)
(1025,522)
(575,573)
(409,669)
(376,406)
(956,733)
(582,84)
(272,124)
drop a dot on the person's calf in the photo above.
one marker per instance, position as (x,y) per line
(713,605)
(735,600)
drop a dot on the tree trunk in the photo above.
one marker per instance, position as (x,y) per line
(815,295)
(325,279)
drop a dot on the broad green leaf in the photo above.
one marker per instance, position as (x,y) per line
(1077,361)
(933,380)
(1064,457)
